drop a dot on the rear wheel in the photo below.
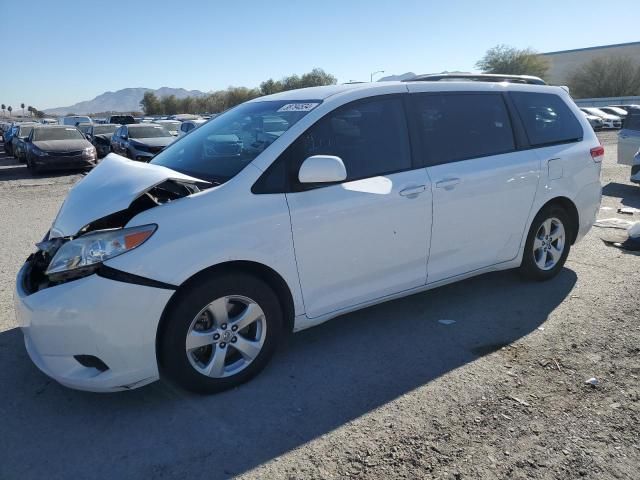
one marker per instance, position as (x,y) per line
(220,333)
(548,244)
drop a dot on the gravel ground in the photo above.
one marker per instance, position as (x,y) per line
(386,392)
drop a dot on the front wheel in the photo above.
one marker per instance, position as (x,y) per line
(548,244)
(220,333)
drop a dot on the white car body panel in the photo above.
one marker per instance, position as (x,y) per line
(338,248)
(361,240)
(117,178)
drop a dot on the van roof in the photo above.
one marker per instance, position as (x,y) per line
(324,92)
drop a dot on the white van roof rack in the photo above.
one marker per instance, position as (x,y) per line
(478,77)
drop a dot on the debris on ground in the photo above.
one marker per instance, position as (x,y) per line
(593,381)
(628,210)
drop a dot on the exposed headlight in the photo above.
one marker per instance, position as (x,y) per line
(86,253)
(89,152)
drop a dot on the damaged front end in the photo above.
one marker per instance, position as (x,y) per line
(113,194)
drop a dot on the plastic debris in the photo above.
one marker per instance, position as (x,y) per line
(593,382)
(447,322)
(613,223)
(628,210)
(634,230)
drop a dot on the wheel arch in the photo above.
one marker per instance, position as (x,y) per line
(259,270)
(572,211)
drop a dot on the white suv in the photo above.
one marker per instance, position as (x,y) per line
(295,208)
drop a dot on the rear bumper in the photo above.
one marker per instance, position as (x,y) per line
(113,321)
(588,204)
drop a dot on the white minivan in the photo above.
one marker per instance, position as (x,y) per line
(193,266)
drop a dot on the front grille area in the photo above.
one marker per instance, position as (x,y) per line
(75,153)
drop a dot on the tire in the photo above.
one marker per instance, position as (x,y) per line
(31,167)
(544,256)
(198,369)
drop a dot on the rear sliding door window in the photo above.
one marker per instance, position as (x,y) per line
(547,119)
(452,127)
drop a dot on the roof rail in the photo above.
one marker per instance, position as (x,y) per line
(478,77)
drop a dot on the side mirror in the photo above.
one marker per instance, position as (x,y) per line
(322,169)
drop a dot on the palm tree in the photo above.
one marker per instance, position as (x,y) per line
(22,107)
(10,108)
(4,107)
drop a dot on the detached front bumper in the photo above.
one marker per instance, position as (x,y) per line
(112,321)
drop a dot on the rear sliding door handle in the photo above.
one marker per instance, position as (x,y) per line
(412,192)
(447,183)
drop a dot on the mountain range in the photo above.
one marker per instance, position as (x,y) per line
(125,100)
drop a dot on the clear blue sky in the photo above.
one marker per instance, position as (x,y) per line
(56,53)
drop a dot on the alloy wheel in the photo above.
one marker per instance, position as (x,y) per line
(226,336)
(549,243)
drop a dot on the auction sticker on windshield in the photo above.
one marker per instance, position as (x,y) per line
(298,107)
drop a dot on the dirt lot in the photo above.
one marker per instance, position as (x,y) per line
(387,392)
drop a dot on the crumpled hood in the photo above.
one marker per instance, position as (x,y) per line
(108,188)
(153,142)
(62,145)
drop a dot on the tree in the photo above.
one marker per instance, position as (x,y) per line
(3,107)
(507,60)
(606,77)
(30,110)
(315,78)
(10,108)
(22,107)
(169,105)
(151,104)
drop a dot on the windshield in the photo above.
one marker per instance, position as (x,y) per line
(151,131)
(219,149)
(41,134)
(99,130)
(24,131)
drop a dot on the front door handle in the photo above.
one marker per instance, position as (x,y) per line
(447,183)
(412,192)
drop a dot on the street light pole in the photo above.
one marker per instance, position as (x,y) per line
(373,73)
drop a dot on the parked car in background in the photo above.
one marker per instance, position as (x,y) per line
(628,108)
(629,145)
(595,122)
(56,147)
(100,137)
(74,120)
(148,271)
(121,119)
(18,146)
(48,121)
(141,141)
(608,120)
(84,128)
(8,138)
(618,112)
(189,125)
(172,126)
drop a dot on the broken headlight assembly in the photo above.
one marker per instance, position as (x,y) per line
(83,255)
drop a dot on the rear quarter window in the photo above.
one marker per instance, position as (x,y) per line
(547,118)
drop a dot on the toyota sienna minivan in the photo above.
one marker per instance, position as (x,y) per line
(192,267)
